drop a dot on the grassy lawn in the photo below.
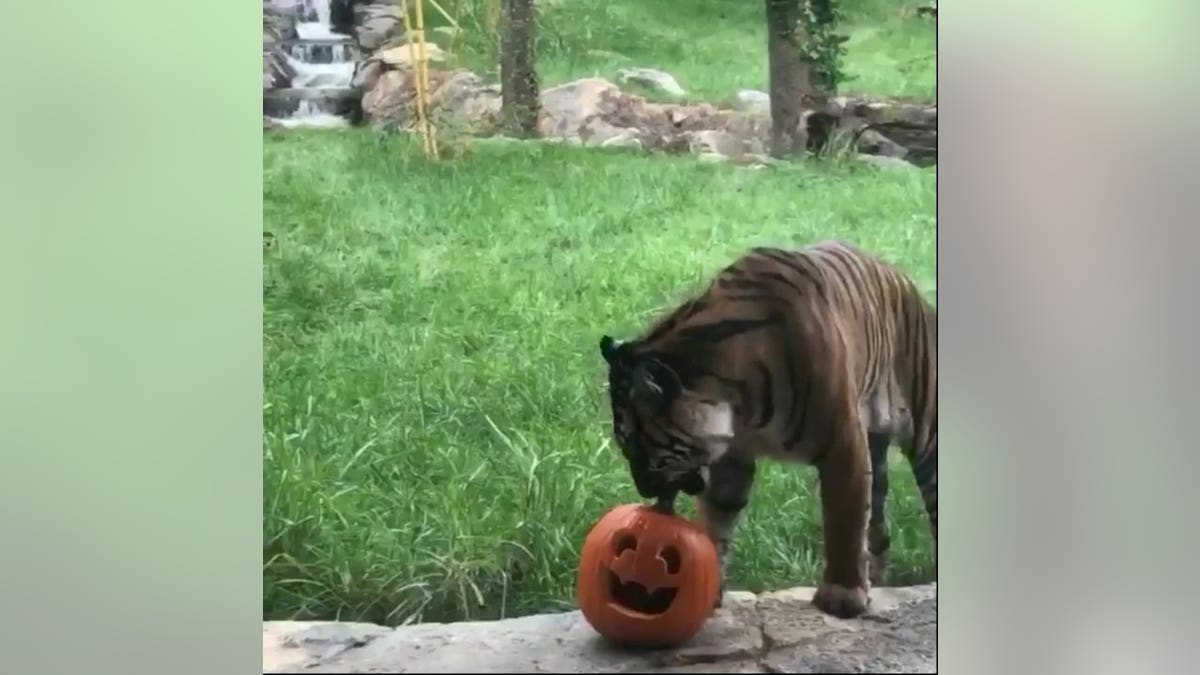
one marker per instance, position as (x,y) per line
(436,433)
(712,47)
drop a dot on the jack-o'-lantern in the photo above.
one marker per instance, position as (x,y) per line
(647,577)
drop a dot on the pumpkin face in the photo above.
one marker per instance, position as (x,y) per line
(647,578)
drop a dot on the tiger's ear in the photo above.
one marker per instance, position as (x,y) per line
(655,384)
(608,349)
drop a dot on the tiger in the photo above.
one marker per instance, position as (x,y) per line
(821,355)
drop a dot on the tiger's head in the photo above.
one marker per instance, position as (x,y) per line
(667,432)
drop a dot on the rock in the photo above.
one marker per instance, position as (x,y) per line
(401,56)
(277,28)
(732,632)
(289,8)
(753,100)
(872,142)
(774,632)
(885,162)
(899,124)
(290,645)
(712,141)
(376,24)
(367,74)
(655,80)
(565,108)
(389,98)
(903,640)
(789,618)
(464,98)
(596,131)
(457,97)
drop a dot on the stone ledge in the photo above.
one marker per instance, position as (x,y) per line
(774,632)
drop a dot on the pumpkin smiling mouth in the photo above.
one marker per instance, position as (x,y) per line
(632,595)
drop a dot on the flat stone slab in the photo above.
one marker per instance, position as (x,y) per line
(774,632)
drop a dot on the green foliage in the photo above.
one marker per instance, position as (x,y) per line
(824,47)
(712,47)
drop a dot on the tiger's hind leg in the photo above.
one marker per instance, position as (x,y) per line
(845,496)
(726,494)
(878,540)
(923,461)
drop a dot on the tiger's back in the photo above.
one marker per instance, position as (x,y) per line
(792,325)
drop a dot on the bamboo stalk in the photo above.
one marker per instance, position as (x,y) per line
(417,58)
(423,75)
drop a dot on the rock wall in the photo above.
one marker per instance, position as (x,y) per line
(778,632)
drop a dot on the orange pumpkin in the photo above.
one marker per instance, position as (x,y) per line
(647,578)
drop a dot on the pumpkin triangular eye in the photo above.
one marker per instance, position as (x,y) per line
(670,555)
(624,541)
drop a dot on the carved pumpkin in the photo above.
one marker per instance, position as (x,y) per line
(647,578)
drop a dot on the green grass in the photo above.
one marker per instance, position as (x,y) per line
(436,434)
(712,47)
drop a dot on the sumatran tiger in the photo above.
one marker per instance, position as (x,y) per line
(823,356)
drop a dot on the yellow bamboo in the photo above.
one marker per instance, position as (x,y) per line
(423,76)
(418,59)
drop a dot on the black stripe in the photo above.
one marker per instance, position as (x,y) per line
(756,297)
(789,375)
(775,276)
(802,427)
(722,330)
(767,399)
(740,283)
(784,259)
(694,308)
(843,269)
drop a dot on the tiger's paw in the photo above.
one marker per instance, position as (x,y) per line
(842,602)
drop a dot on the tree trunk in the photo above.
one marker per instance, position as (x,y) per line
(518,74)
(790,77)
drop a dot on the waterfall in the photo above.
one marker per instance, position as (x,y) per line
(323,63)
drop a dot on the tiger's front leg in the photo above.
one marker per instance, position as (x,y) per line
(727,492)
(844,476)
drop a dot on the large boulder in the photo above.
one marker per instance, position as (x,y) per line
(456,98)
(377,23)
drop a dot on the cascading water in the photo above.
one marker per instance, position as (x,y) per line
(323,63)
